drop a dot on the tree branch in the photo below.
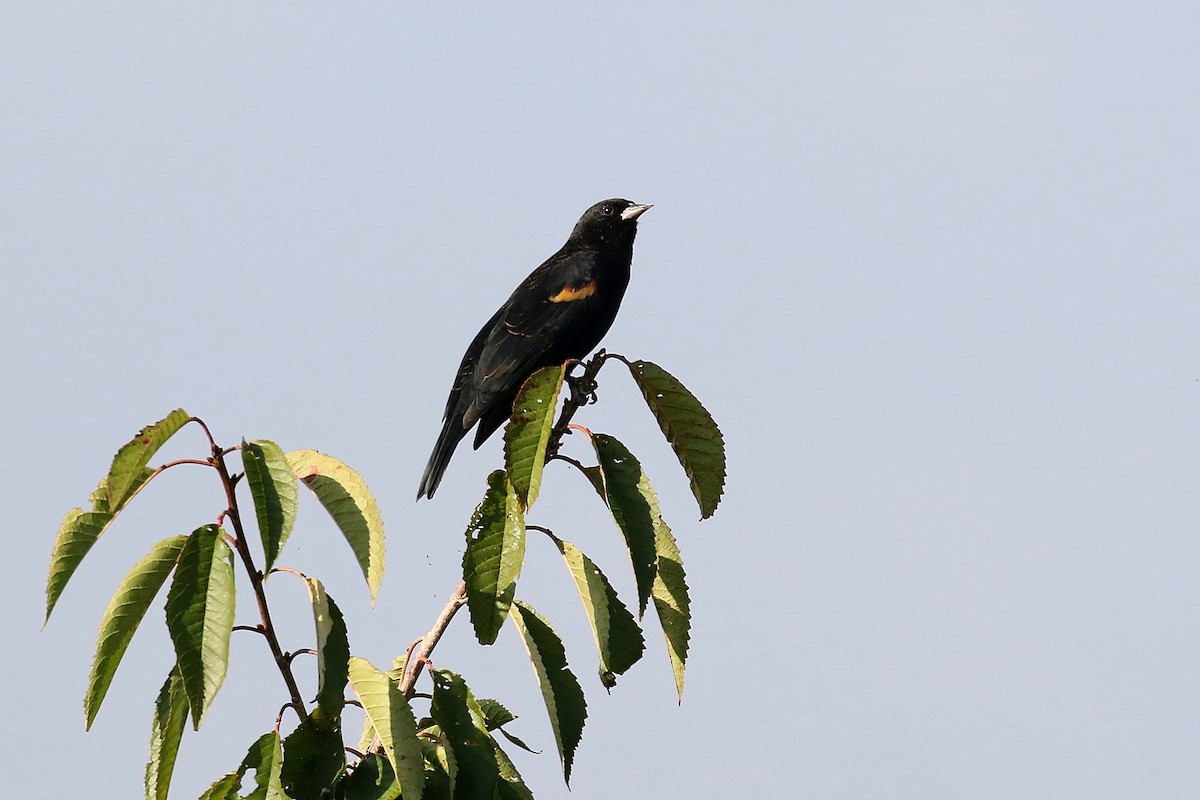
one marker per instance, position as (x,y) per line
(241,544)
(413,667)
(583,391)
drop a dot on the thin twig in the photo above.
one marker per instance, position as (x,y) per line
(304,651)
(211,441)
(546,531)
(251,628)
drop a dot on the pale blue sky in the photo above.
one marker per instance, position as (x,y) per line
(932,266)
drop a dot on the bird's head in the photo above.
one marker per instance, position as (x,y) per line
(612,221)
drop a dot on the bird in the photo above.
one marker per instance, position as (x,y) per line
(557,314)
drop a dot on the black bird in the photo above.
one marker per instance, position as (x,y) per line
(559,312)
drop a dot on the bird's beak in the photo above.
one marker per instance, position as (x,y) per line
(635,211)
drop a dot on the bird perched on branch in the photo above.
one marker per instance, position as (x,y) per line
(560,312)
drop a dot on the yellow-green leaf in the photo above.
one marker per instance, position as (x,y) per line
(528,431)
(130,461)
(125,612)
(671,602)
(265,757)
(392,717)
(618,637)
(80,529)
(170,717)
(344,494)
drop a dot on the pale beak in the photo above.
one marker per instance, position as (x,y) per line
(635,211)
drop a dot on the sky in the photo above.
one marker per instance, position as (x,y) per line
(931,266)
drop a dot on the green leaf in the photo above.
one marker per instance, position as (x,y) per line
(130,461)
(441,770)
(265,757)
(493,557)
(458,714)
(634,506)
(517,741)
(170,717)
(618,637)
(374,779)
(344,494)
(225,788)
(528,432)
(80,529)
(125,612)
(200,606)
(276,496)
(494,713)
(393,719)
(313,757)
(560,689)
(333,649)
(671,602)
(511,785)
(691,430)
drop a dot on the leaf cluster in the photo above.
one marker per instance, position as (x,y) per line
(447,748)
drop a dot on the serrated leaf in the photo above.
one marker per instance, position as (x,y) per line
(462,723)
(517,741)
(265,757)
(494,713)
(128,472)
(392,717)
(493,557)
(125,612)
(560,689)
(528,431)
(671,602)
(79,531)
(166,732)
(200,606)
(130,461)
(313,757)
(634,506)
(344,494)
(276,496)
(691,430)
(224,788)
(441,770)
(333,649)
(512,785)
(618,637)
(373,779)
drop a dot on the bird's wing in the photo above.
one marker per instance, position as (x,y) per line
(532,329)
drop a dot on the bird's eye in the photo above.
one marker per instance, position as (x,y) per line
(607,209)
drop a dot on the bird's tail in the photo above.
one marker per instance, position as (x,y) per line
(452,433)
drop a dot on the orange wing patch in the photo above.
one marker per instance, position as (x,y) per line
(572,293)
